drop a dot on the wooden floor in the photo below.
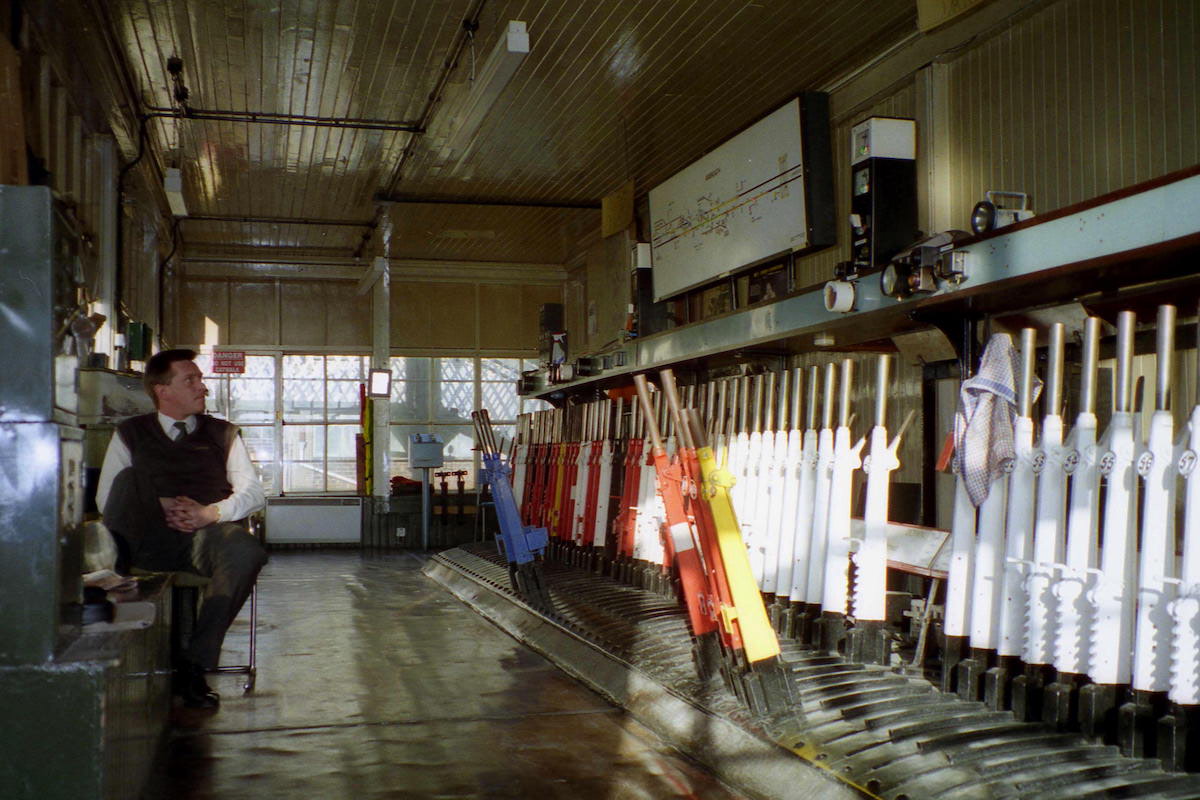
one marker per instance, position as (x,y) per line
(376,683)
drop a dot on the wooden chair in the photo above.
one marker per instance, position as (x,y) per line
(185,607)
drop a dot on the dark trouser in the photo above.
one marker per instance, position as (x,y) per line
(225,552)
(228,555)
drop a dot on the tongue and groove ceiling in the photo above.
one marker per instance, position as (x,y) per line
(353,101)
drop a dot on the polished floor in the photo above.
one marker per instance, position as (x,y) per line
(374,682)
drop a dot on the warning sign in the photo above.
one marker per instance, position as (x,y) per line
(228,362)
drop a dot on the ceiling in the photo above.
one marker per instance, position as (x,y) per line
(360,97)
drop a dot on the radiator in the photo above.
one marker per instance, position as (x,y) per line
(314,520)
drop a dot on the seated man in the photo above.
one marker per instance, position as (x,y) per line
(171,486)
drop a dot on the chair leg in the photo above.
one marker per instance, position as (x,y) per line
(250,669)
(252,674)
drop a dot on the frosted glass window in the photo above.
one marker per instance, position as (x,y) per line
(500,399)
(410,389)
(343,400)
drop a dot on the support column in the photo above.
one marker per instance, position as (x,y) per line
(380,359)
(106,234)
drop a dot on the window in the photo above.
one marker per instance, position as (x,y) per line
(321,410)
(300,414)
(248,400)
(457,386)
(434,395)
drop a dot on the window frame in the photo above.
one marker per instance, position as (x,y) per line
(274,470)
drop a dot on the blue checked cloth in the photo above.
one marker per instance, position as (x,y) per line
(983,424)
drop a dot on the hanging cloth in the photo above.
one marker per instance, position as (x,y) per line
(983,424)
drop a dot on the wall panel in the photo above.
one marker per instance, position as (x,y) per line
(332,314)
(607,293)
(1078,99)
(347,315)
(504,317)
(453,321)
(203,307)
(303,322)
(253,314)
(410,312)
(575,307)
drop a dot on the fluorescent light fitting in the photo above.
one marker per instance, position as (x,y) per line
(380,384)
(173,186)
(491,79)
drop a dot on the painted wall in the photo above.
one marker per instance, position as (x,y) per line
(324,314)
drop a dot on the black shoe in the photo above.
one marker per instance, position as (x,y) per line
(194,690)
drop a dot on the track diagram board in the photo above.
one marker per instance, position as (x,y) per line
(738,205)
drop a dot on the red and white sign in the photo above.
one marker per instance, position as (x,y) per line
(228,362)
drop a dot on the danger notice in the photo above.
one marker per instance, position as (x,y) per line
(229,363)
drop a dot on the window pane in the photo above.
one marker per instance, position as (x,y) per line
(460,441)
(500,369)
(303,458)
(342,476)
(406,368)
(303,442)
(300,476)
(500,399)
(303,400)
(398,449)
(260,442)
(455,401)
(260,367)
(398,441)
(345,367)
(410,401)
(266,476)
(217,401)
(311,367)
(410,389)
(251,400)
(458,451)
(504,437)
(456,369)
(343,400)
(340,441)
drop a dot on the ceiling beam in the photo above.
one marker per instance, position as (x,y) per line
(271,118)
(350,223)
(497,202)
(401,269)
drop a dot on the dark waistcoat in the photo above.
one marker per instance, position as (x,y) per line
(193,466)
